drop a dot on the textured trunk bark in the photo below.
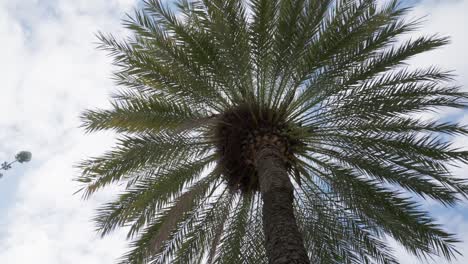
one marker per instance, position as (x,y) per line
(284,242)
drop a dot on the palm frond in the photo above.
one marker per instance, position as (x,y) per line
(206,232)
(343,236)
(144,198)
(416,231)
(150,115)
(158,240)
(135,153)
(233,240)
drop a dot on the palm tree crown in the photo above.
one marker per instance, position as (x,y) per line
(322,81)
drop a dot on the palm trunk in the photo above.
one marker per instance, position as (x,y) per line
(284,242)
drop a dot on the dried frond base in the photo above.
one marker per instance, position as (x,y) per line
(240,133)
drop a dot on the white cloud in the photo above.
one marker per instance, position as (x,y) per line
(50,224)
(51,71)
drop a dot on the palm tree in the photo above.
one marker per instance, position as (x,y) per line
(21,157)
(279,131)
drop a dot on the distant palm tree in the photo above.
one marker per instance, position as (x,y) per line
(279,131)
(21,157)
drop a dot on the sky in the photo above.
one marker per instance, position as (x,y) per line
(50,71)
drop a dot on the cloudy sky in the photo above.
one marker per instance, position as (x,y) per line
(50,71)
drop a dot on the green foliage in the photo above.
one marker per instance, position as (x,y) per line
(335,71)
(21,157)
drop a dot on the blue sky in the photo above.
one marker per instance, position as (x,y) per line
(51,71)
